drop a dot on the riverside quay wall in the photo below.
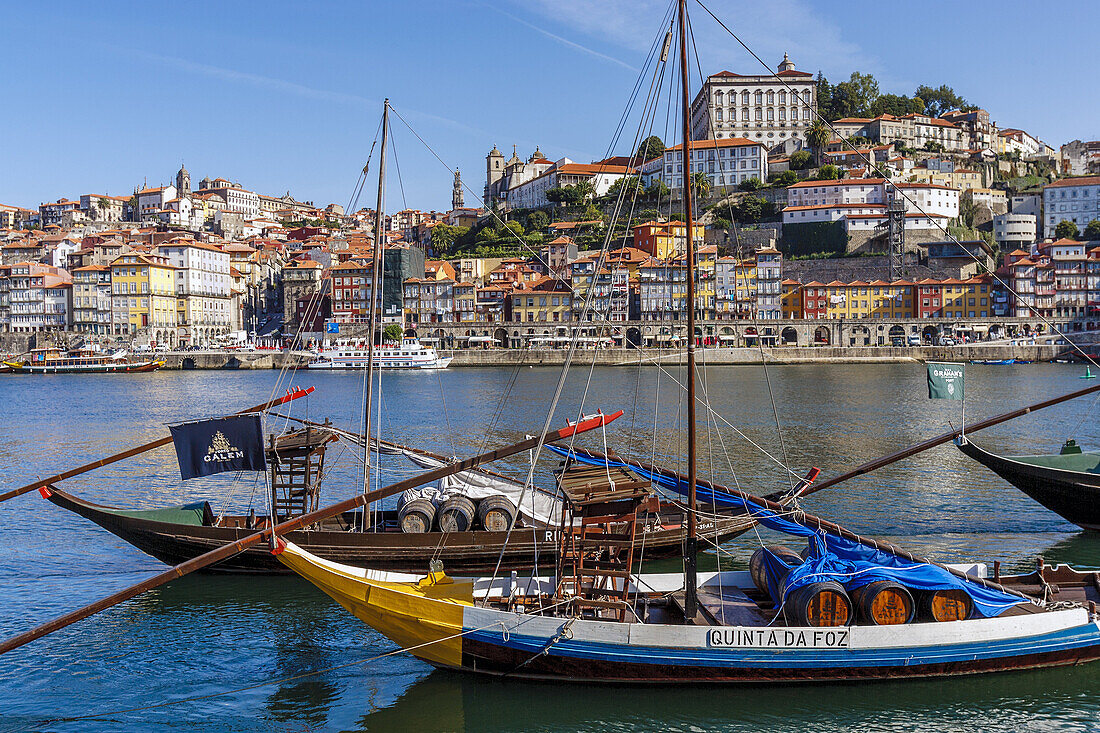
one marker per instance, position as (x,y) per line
(645,356)
(793,333)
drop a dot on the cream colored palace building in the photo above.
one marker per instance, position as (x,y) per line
(765,108)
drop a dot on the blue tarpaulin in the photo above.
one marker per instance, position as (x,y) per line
(832,557)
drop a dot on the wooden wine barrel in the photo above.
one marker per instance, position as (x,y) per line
(496,513)
(456,514)
(954,604)
(758,566)
(818,604)
(416,516)
(884,603)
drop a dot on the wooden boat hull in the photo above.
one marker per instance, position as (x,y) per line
(1073,495)
(463,553)
(438,620)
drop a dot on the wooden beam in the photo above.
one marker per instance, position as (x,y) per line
(226,551)
(138,450)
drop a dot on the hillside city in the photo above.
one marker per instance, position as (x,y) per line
(903,209)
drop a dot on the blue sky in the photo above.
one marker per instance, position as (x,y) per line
(286,96)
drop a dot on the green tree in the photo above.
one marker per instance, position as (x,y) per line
(658,189)
(801,160)
(515,228)
(537,221)
(631,184)
(750,184)
(892,104)
(1066,229)
(829,172)
(700,186)
(443,238)
(487,234)
(818,137)
(784,179)
(392,333)
(1092,231)
(650,148)
(941,99)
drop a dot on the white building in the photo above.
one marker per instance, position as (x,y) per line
(927,198)
(1071,199)
(101,207)
(151,201)
(531,194)
(38,298)
(759,107)
(1017,141)
(1015,231)
(844,192)
(726,162)
(203,287)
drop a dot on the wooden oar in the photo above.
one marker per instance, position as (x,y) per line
(227,551)
(947,437)
(39,483)
(865,467)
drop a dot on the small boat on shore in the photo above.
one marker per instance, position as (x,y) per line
(411,354)
(1067,483)
(994,362)
(52,360)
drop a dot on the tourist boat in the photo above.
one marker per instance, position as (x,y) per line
(411,354)
(1068,483)
(846,608)
(376,539)
(51,360)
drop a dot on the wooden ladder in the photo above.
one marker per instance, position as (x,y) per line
(599,528)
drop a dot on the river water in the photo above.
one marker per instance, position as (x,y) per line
(205,635)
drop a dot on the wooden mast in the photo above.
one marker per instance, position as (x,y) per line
(372,320)
(691,604)
(143,448)
(227,551)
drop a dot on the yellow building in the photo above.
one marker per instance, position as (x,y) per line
(553,305)
(143,297)
(790,299)
(891,300)
(967,298)
(665,239)
(705,259)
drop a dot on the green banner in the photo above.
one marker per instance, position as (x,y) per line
(945,381)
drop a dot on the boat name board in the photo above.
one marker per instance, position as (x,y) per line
(742,638)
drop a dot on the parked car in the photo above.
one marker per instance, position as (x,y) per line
(947,341)
(915,341)
(897,341)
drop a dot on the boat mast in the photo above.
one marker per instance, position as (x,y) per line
(691,603)
(372,320)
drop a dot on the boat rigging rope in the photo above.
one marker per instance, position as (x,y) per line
(909,199)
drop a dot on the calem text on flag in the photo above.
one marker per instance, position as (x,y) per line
(945,380)
(214,446)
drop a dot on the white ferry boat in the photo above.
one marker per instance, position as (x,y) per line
(411,354)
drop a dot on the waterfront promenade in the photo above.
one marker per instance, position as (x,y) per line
(616,356)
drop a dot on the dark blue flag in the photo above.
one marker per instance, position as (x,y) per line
(213,446)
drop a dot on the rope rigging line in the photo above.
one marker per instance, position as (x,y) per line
(755,313)
(909,199)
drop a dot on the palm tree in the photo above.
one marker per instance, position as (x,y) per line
(700,186)
(818,137)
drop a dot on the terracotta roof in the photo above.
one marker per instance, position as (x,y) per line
(729,142)
(849,182)
(1078,181)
